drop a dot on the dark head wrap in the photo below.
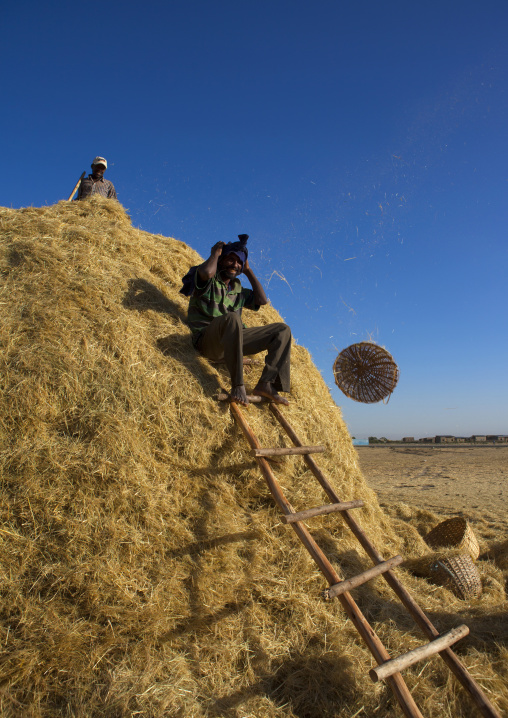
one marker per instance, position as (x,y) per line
(239,248)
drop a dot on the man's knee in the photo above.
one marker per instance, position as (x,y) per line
(283,330)
(232,320)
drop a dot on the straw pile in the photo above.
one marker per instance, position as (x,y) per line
(144,568)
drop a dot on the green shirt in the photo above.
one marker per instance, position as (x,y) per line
(215,299)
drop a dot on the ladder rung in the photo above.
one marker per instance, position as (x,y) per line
(320,510)
(251,397)
(247,361)
(289,451)
(395,665)
(338,588)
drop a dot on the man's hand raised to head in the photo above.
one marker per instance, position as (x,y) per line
(209,266)
(217,249)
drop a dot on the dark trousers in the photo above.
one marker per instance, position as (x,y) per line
(225,338)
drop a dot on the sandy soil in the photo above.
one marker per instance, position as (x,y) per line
(444,479)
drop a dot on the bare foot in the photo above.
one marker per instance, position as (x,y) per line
(264,388)
(239,395)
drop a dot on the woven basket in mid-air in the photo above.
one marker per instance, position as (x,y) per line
(366,372)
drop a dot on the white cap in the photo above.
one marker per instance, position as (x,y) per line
(100,161)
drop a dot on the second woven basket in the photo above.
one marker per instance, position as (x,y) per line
(459,575)
(455,571)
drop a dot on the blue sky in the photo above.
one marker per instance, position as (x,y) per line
(361,145)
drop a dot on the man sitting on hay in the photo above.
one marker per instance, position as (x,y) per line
(215,319)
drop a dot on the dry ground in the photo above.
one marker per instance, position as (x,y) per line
(447,480)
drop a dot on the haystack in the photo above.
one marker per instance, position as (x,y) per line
(144,568)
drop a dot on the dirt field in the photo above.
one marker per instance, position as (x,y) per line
(447,480)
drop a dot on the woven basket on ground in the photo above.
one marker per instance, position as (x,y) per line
(456,572)
(454,533)
(366,372)
(459,574)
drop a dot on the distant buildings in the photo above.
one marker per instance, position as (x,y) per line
(439,439)
(475,439)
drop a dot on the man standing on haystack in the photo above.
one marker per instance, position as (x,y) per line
(95,183)
(214,316)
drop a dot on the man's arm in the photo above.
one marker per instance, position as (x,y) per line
(259,293)
(85,188)
(112,192)
(208,269)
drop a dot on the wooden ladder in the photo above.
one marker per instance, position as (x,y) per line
(388,669)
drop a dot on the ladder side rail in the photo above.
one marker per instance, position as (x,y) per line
(395,681)
(454,664)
